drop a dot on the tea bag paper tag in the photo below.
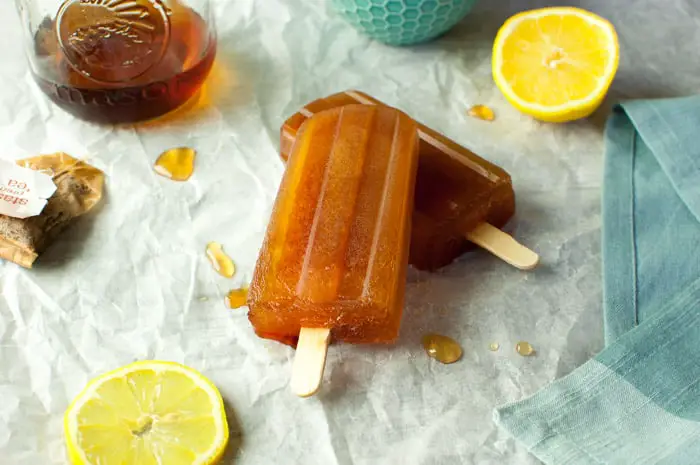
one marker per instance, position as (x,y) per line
(23,191)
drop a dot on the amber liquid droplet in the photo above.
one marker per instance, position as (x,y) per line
(494,346)
(442,348)
(237,298)
(176,164)
(482,112)
(221,262)
(524,348)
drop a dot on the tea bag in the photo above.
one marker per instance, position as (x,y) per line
(78,189)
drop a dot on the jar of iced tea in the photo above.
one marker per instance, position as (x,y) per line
(119,61)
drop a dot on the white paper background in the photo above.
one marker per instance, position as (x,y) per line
(125,283)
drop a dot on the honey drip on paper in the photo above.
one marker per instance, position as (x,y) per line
(482,112)
(442,348)
(176,164)
(237,298)
(221,262)
(524,348)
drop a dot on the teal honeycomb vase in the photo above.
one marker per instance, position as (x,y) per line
(403,22)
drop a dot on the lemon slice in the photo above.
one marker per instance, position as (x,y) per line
(147,413)
(555,64)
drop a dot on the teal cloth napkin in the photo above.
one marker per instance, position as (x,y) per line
(638,401)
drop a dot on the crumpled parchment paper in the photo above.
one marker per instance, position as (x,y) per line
(125,283)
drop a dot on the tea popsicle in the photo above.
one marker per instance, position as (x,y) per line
(336,249)
(460,197)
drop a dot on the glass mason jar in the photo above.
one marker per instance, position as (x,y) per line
(119,61)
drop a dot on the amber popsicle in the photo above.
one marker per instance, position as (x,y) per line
(336,250)
(460,198)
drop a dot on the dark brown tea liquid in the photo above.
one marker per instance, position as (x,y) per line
(116,70)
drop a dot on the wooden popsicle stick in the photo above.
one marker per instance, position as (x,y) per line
(503,246)
(309,361)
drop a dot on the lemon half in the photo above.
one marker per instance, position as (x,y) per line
(147,413)
(555,64)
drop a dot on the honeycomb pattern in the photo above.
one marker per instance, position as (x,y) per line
(403,22)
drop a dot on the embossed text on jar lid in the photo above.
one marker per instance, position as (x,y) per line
(113,40)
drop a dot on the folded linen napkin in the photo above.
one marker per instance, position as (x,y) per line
(638,401)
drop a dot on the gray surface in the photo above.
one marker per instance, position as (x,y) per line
(125,285)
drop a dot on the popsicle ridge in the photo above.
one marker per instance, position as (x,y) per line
(321,272)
